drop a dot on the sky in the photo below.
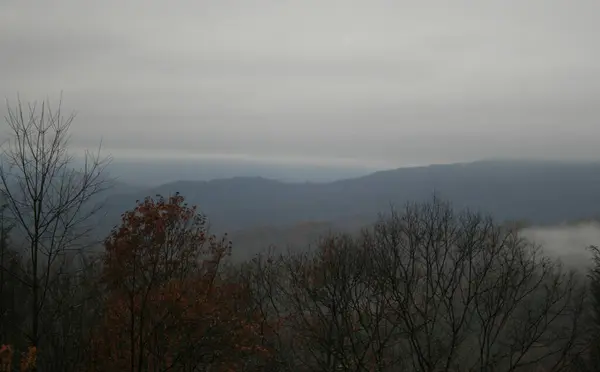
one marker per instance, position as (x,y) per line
(378,83)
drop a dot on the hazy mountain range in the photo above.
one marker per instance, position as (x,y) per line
(141,172)
(539,192)
(258,211)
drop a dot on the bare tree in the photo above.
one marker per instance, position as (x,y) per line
(427,289)
(4,230)
(74,306)
(590,360)
(48,197)
(321,311)
(264,275)
(474,296)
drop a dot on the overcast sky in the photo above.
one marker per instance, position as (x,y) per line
(388,83)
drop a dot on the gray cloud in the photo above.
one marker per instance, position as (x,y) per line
(381,82)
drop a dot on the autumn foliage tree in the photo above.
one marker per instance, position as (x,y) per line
(170,303)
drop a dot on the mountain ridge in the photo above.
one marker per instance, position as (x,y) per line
(544,192)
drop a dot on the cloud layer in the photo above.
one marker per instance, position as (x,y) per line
(376,82)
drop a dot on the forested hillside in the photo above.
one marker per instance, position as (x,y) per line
(539,192)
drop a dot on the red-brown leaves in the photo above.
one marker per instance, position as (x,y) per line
(169,304)
(6,357)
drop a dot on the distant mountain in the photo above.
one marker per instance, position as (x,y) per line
(159,171)
(540,192)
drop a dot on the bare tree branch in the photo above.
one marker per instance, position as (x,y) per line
(47,197)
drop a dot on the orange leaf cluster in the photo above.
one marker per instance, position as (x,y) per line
(29,360)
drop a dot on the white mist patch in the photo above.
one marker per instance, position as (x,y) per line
(568,242)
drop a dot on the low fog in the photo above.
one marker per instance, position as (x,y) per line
(568,242)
